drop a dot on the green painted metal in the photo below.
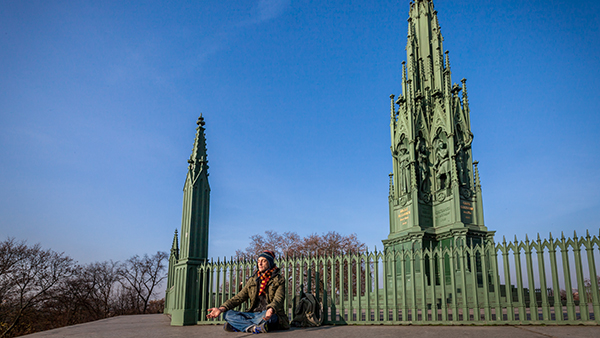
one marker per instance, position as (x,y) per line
(183,287)
(370,288)
(434,192)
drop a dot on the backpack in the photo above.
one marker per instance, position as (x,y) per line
(309,311)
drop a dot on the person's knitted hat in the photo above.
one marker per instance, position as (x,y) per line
(269,256)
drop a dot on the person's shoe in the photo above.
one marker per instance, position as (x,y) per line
(227,327)
(262,328)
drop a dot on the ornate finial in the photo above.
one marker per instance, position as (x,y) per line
(504,240)
(465,97)
(392,106)
(574,234)
(404,75)
(476,170)
(562,235)
(538,235)
(175,246)
(550,236)
(516,239)
(526,238)
(587,232)
(200,121)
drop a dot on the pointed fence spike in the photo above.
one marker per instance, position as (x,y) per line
(562,235)
(574,234)
(550,233)
(526,238)
(516,239)
(587,231)
(538,234)
(504,240)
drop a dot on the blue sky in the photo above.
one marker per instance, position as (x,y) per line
(98,103)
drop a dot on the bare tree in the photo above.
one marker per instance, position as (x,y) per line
(90,293)
(290,244)
(331,243)
(11,254)
(141,276)
(30,276)
(41,289)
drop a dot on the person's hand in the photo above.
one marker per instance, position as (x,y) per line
(213,313)
(268,314)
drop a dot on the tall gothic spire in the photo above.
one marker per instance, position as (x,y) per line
(183,282)
(198,161)
(433,193)
(424,50)
(196,195)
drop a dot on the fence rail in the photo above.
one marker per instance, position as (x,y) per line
(550,281)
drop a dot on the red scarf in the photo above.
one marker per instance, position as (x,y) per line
(264,279)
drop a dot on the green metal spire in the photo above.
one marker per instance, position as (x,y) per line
(175,246)
(182,295)
(196,198)
(198,162)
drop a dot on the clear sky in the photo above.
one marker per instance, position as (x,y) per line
(99,99)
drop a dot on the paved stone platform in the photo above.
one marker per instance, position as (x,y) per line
(157,325)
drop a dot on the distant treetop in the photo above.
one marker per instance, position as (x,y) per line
(290,244)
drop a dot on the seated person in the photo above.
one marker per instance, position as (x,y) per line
(266,291)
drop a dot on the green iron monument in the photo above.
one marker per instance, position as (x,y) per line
(182,296)
(434,193)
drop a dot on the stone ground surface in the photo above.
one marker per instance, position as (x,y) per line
(157,325)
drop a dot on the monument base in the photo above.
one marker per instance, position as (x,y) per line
(430,238)
(184,317)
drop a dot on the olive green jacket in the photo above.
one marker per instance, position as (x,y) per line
(275,292)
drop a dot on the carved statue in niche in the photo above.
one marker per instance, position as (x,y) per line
(423,165)
(442,166)
(460,164)
(463,143)
(402,156)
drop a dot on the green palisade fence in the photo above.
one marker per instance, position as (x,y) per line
(550,281)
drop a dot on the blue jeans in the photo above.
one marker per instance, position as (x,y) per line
(243,320)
